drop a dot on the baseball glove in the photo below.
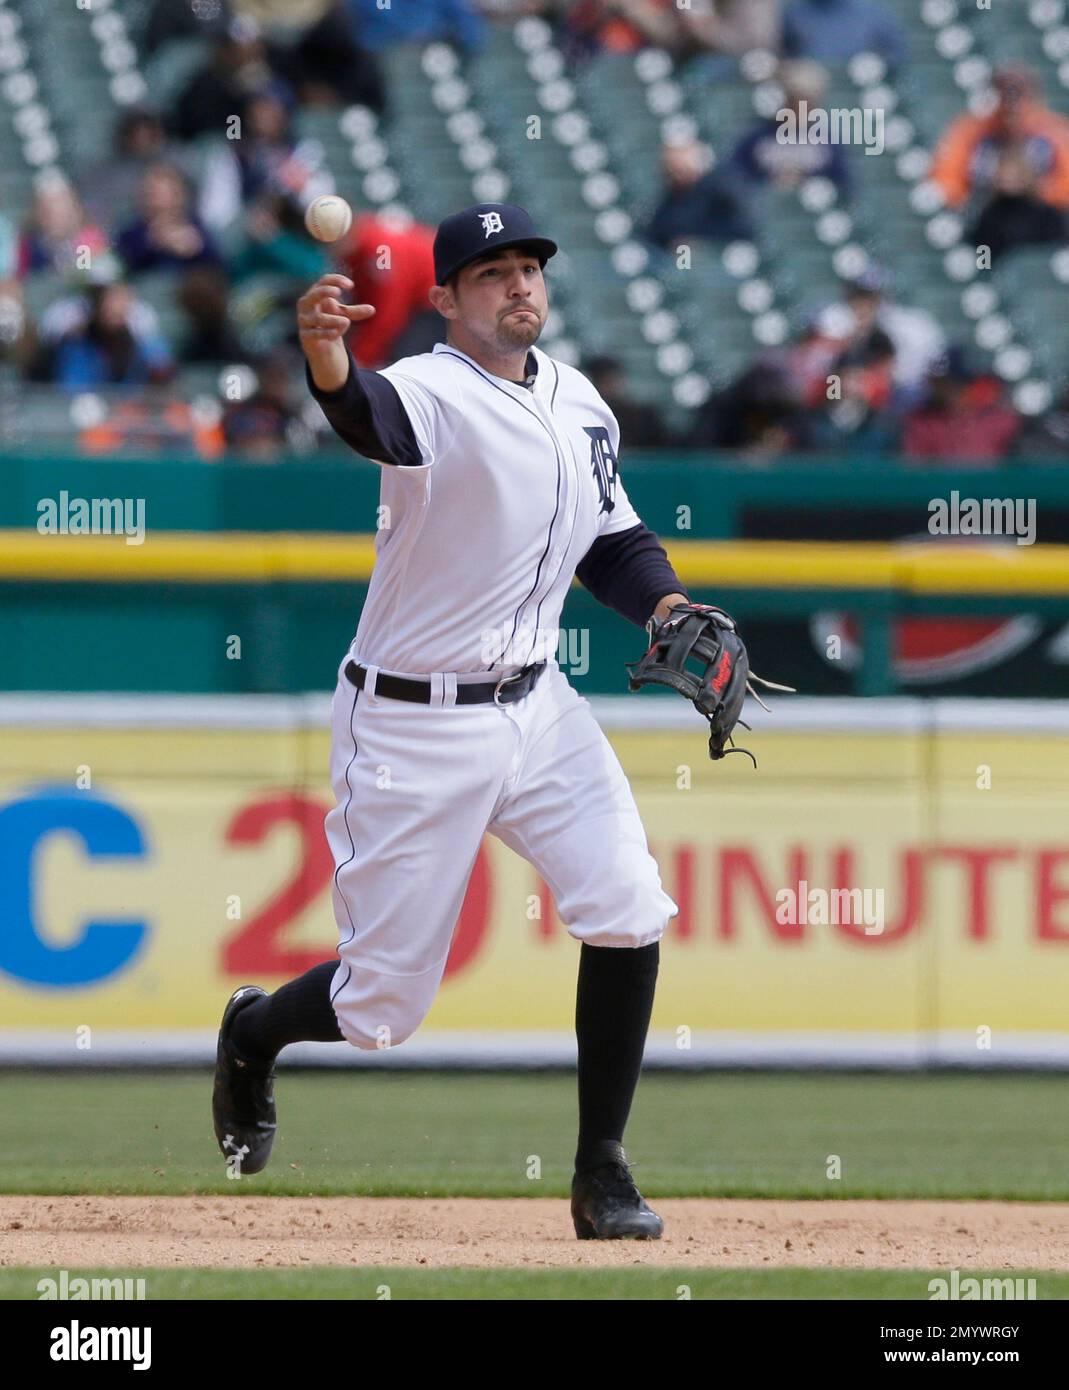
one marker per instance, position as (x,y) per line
(698,652)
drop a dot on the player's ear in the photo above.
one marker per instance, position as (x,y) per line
(442,298)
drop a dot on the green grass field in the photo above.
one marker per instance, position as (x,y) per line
(368,1284)
(461,1134)
(455,1134)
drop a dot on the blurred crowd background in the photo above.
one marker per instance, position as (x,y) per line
(725,289)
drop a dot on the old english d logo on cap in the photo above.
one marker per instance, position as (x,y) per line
(491,222)
(465,236)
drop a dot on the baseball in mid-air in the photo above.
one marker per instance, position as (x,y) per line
(328,217)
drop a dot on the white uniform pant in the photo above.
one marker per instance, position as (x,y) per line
(417,786)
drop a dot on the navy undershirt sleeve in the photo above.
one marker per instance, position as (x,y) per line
(629,573)
(368,414)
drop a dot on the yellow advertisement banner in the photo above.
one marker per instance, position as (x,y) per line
(891,882)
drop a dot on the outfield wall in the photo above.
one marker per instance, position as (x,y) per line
(249,613)
(155,852)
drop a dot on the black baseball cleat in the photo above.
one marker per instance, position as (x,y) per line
(243,1099)
(606,1204)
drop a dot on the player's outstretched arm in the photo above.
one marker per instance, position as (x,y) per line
(362,406)
(322,323)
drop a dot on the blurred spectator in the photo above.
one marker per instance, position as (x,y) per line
(203,295)
(152,423)
(964,418)
(763,157)
(620,26)
(915,334)
(870,364)
(734,27)
(697,203)
(759,414)
(277,242)
(834,31)
(260,427)
(238,67)
(166,235)
(810,361)
(857,416)
(279,259)
(418,21)
(967,157)
(327,65)
(641,426)
(101,348)
(1016,216)
(57,236)
(71,310)
(390,260)
(1046,440)
(110,186)
(267,159)
(180,19)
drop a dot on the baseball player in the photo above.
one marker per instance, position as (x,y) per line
(451,716)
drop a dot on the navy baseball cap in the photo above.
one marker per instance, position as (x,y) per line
(465,236)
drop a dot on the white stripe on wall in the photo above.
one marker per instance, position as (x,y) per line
(791,713)
(792,1050)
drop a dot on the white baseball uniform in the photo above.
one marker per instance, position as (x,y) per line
(508,487)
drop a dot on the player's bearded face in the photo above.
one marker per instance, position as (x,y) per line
(505,305)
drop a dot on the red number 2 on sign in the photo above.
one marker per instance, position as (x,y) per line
(259,947)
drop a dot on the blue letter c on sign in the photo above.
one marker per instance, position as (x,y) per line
(105,831)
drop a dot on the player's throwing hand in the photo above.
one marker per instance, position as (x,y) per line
(322,323)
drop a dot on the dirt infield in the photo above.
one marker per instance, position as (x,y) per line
(258,1232)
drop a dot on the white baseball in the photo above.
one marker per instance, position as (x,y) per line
(328,217)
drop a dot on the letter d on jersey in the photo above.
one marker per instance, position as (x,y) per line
(105,832)
(603,461)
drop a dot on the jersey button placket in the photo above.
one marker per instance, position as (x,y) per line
(551,564)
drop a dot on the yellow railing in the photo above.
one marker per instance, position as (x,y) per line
(225,557)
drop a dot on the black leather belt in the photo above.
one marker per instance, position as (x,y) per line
(503,692)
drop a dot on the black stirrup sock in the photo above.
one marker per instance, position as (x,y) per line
(614,1001)
(300,1011)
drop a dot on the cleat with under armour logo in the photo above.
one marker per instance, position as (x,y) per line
(243,1099)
